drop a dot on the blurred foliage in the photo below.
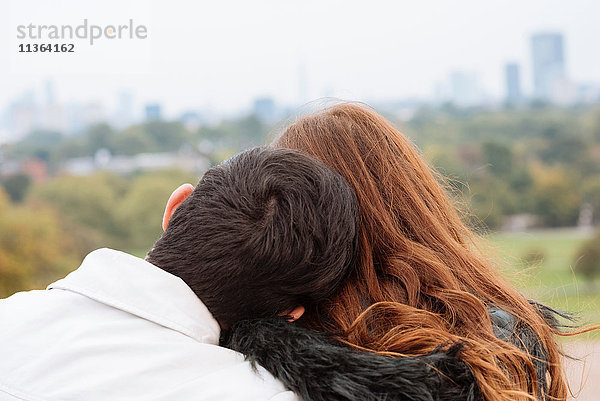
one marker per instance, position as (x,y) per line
(139,211)
(236,134)
(533,256)
(227,137)
(555,196)
(587,258)
(34,247)
(154,136)
(38,144)
(16,186)
(542,161)
(122,212)
(66,217)
(89,201)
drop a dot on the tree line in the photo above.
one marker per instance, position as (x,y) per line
(544,162)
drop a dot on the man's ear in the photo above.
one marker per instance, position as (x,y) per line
(294,314)
(176,198)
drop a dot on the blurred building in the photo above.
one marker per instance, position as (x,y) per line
(123,114)
(513,83)
(53,115)
(54,118)
(75,121)
(465,90)
(588,93)
(153,112)
(548,59)
(24,118)
(36,169)
(79,116)
(191,120)
(50,92)
(264,108)
(103,160)
(93,112)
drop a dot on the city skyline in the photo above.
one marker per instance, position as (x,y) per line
(548,60)
(222,56)
(551,84)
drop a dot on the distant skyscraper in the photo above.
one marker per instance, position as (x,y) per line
(513,83)
(464,89)
(153,112)
(191,120)
(93,113)
(75,123)
(50,92)
(547,51)
(264,108)
(123,115)
(23,116)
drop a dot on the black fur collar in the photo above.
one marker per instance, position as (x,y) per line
(318,368)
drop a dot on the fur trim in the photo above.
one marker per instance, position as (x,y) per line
(318,369)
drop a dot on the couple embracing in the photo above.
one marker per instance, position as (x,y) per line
(329,265)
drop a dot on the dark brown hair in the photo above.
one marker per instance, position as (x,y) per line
(262,233)
(422,282)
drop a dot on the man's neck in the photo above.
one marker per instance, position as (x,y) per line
(176,273)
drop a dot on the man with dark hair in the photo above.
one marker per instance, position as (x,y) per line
(261,235)
(269,232)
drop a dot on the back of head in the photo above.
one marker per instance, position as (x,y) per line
(263,232)
(421,283)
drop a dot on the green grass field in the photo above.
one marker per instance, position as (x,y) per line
(550,280)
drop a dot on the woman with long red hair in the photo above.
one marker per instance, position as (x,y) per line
(421,283)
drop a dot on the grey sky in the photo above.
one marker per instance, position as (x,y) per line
(225,53)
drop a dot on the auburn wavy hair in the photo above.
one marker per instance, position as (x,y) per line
(421,282)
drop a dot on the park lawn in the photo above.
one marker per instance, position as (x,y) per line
(553,280)
(557,246)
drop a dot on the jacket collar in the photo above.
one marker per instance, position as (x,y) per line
(317,367)
(308,362)
(138,287)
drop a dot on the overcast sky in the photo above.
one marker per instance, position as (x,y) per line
(223,54)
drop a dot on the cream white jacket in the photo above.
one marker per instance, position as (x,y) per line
(120,328)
